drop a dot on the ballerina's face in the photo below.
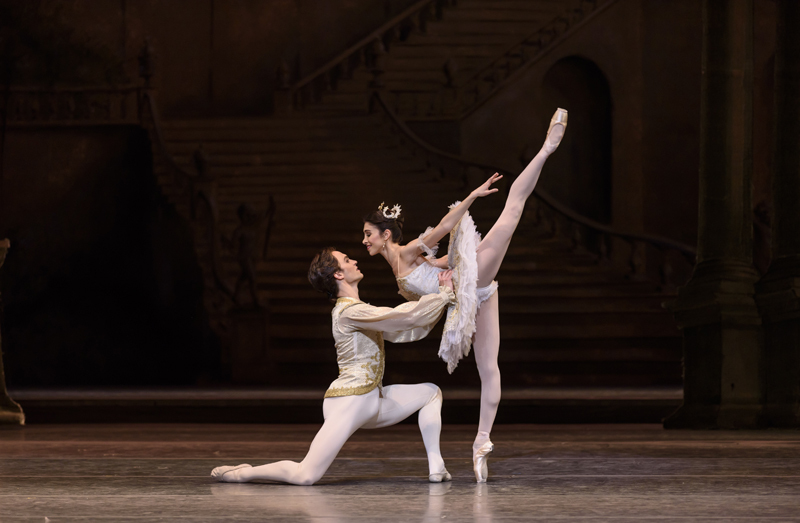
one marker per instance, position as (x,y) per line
(372,239)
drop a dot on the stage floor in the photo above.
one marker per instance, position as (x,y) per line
(159,472)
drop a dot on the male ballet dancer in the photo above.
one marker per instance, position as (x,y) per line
(357,399)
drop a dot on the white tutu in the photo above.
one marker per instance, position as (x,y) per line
(459,326)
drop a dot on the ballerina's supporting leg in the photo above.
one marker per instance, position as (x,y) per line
(487,346)
(491,252)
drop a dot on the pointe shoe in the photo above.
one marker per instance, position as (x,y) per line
(480,461)
(219,472)
(559,118)
(440,477)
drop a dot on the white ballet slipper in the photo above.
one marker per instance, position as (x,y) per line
(440,477)
(219,472)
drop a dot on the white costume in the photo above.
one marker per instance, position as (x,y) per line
(357,399)
(462,259)
(474,260)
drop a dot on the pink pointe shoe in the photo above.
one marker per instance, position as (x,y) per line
(558,119)
(480,461)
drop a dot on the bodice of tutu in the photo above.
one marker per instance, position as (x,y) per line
(423,280)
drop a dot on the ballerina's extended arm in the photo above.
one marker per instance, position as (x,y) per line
(451,219)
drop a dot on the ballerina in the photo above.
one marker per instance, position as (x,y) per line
(474,319)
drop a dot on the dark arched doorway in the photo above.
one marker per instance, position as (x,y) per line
(580,174)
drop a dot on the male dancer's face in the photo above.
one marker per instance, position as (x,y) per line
(348,268)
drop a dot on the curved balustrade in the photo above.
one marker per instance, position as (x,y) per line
(53,106)
(366,51)
(199,189)
(549,212)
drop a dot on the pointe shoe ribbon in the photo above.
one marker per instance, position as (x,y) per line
(440,477)
(480,461)
(219,472)
(559,118)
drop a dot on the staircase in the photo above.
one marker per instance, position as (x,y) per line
(568,317)
(441,59)
(565,319)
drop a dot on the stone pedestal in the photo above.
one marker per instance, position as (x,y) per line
(10,411)
(779,290)
(716,310)
(249,346)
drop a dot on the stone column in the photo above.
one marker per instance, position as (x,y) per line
(10,412)
(716,310)
(778,294)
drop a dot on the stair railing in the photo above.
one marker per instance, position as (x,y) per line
(365,52)
(548,212)
(483,84)
(35,106)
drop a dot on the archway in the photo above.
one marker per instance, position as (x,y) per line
(580,174)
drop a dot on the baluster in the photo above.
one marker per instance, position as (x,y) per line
(426,14)
(602,258)
(667,286)
(420,21)
(439,9)
(450,69)
(378,64)
(577,238)
(636,261)
(283,99)
(555,226)
(147,63)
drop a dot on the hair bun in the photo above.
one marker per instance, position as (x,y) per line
(399,221)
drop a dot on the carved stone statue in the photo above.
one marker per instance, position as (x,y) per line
(244,241)
(10,411)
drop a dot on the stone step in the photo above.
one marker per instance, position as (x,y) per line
(554,304)
(477,29)
(303,145)
(662,326)
(516,5)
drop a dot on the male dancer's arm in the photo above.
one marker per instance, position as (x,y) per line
(408,322)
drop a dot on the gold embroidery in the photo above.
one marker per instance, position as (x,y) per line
(401,282)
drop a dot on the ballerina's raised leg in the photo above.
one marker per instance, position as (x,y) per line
(490,254)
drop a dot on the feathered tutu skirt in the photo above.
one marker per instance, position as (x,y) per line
(459,326)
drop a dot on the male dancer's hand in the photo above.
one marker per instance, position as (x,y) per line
(446,279)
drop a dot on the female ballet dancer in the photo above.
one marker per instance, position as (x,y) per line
(475,262)
(357,398)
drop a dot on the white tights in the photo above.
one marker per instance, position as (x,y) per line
(345,415)
(491,252)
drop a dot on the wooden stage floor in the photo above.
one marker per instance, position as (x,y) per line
(160,472)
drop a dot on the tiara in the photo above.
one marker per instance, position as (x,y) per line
(391,214)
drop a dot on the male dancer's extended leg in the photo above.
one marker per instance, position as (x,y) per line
(343,416)
(401,401)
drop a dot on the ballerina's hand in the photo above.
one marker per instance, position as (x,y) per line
(485,190)
(446,279)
